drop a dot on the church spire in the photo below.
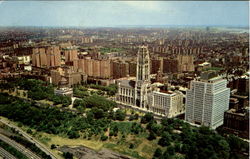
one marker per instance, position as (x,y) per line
(142,86)
(143,67)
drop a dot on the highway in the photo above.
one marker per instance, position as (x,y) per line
(5,154)
(30,138)
(19,147)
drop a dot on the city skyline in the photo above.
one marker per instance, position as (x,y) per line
(123,13)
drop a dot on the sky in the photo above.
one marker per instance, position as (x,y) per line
(120,13)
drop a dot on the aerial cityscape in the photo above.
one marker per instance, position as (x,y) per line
(124,80)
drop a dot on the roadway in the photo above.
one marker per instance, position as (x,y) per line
(5,154)
(19,147)
(157,117)
(30,138)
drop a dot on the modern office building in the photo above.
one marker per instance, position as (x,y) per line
(207,100)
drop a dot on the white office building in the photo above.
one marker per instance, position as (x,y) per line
(206,101)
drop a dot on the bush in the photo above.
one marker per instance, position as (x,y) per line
(131,146)
(67,155)
(104,137)
(120,115)
(171,150)
(73,134)
(165,139)
(147,118)
(53,146)
(29,131)
(151,136)
(158,153)
(133,117)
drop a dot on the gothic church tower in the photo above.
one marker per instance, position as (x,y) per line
(142,86)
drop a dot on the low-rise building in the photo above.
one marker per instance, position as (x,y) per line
(237,122)
(166,103)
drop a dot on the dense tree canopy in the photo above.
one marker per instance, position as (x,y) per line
(37,90)
(173,136)
(111,89)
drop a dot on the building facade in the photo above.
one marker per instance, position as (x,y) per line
(168,104)
(185,63)
(140,94)
(142,85)
(206,101)
(237,122)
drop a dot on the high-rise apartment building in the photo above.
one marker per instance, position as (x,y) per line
(70,54)
(120,69)
(207,100)
(132,68)
(86,40)
(46,57)
(185,63)
(156,65)
(170,66)
(96,68)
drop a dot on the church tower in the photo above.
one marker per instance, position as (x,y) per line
(142,86)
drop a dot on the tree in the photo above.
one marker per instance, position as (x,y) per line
(236,145)
(131,145)
(165,139)
(147,118)
(153,126)
(131,118)
(67,155)
(165,155)
(90,115)
(77,102)
(104,137)
(136,116)
(53,146)
(152,135)
(120,115)
(111,115)
(73,134)
(18,93)
(158,153)
(177,147)
(98,113)
(66,101)
(171,150)
(223,149)
(136,128)
(115,130)
(185,148)
(29,131)
(164,121)
(205,130)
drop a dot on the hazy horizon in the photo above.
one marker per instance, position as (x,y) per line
(124,13)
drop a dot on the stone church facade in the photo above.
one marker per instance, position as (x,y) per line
(140,94)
